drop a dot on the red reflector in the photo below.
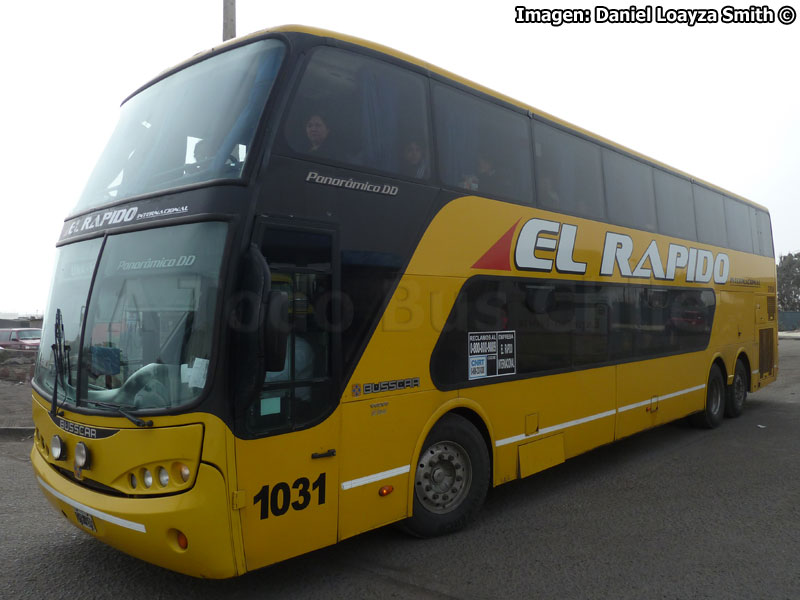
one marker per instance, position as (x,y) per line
(183,542)
(385,490)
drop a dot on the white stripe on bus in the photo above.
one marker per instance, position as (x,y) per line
(347,485)
(518,438)
(608,413)
(93,511)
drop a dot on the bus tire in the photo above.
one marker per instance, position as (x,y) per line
(736,394)
(714,412)
(450,478)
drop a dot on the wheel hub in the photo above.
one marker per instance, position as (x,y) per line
(443,477)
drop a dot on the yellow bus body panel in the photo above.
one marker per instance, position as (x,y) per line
(282,513)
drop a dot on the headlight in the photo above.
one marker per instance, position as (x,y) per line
(81,456)
(163,477)
(147,478)
(57,448)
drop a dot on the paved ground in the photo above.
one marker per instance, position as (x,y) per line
(15,405)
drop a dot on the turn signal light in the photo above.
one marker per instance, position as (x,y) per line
(385,490)
(183,542)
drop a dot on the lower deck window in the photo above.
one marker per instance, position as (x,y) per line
(526,327)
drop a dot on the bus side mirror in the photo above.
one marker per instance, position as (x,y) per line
(276,330)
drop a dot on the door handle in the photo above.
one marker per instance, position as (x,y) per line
(328,454)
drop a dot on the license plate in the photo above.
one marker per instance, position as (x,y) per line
(85,519)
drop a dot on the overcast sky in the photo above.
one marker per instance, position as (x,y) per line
(719,101)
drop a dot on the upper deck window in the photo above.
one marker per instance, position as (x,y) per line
(363,112)
(483,148)
(629,191)
(675,205)
(193,126)
(764,234)
(737,220)
(569,173)
(710,214)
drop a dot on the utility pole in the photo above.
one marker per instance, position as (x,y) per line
(228,20)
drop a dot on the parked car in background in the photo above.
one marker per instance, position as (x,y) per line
(21,338)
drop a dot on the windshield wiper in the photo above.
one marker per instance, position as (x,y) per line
(58,357)
(132,418)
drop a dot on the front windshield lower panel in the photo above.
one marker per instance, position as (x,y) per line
(147,343)
(194,126)
(69,291)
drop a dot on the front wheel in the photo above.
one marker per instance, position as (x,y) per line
(714,411)
(451,478)
(737,392)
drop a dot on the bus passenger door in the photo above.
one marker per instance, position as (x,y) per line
(287,473)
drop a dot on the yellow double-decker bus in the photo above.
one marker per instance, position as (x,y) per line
(314,286)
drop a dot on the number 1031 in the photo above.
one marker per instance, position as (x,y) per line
(278,498)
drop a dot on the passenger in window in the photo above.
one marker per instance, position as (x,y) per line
(487,178)
(204,153)
(548,196)
(415,161)
(319,136)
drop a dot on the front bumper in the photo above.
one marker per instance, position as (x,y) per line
(147,528)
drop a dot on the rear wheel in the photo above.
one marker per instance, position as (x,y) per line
(736,394)
(451,478)
(714,411)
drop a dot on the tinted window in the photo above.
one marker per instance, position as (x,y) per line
(753,219)
(764,234)
(363,112)
(482,147)
(629,191)
(194,126)
(675,206)
(546,326)
(569,175)
(737,221)
(4,336)
(300,394)
(710,214)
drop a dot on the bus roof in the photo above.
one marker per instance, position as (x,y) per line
(324,33)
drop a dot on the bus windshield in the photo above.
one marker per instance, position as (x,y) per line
(194,126)
(147,335)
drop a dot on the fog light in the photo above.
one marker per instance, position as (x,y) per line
(185,473)
(163,477)
(133,481)
(57,448)
(81,456)
(147,478)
